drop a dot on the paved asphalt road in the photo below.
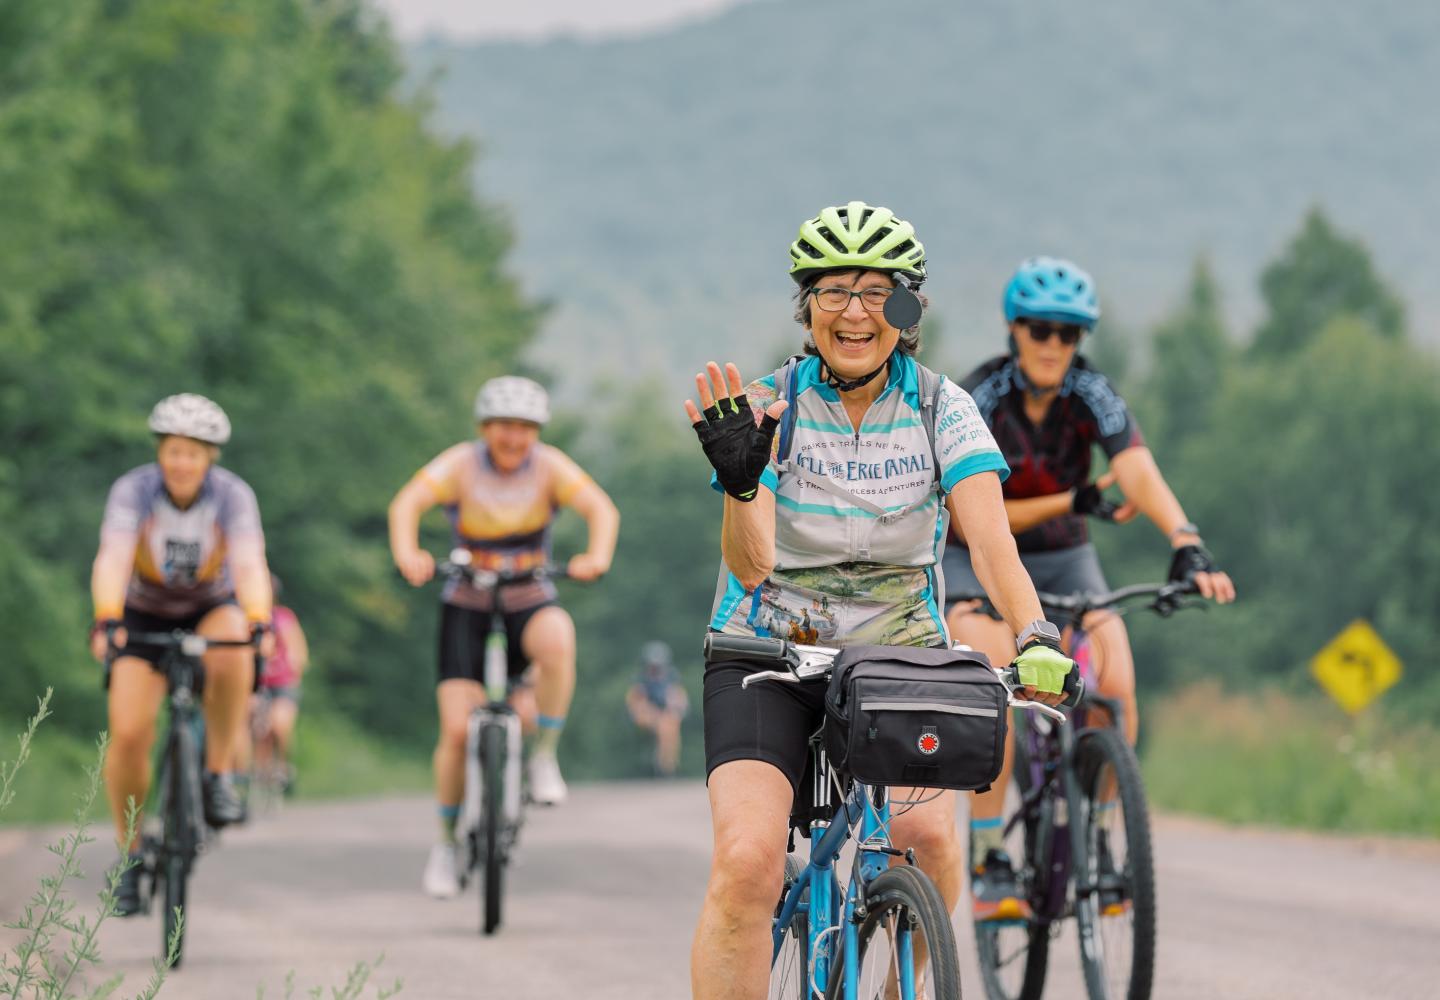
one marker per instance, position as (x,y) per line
(607,888)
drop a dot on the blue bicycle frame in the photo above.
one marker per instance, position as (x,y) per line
(826,912)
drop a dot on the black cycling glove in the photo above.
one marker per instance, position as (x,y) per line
(1189,560)
(737,447)
(1090,500)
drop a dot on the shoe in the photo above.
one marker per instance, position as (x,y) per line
(996,892)
(1114,888)
(441,879)
(223,804)
(547,787)
(127,893)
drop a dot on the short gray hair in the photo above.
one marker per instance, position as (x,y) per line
(909,339)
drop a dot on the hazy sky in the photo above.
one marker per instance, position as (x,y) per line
(537,18)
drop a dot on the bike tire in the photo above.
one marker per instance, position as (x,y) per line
(1027,946)
(790,972)
(179,843)
(1117,949)
(902,894)
(493,826)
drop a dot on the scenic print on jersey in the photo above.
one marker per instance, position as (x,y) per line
(842,571)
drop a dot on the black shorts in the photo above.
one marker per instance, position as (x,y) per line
(770,721)
(1075,570)
(144,621)
(462,641)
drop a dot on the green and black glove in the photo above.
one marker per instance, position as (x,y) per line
(737,447)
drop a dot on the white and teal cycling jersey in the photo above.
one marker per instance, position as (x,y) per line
(844,573)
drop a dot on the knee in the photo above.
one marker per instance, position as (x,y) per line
(931,833)
(746,874)
(549,639)
(452,736)
(129,741)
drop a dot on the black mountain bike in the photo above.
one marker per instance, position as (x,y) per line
(1080,835)
(175,831)
(493,809)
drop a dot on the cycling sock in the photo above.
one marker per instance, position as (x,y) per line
(548,739)
(449,816)
(985,835)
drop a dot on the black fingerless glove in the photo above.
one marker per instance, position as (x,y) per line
(1189,560)
(737,447)
(1090,500)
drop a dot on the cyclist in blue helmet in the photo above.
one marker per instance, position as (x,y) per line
(1048,409)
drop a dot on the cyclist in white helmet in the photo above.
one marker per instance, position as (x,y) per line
(180,547)
(501,492)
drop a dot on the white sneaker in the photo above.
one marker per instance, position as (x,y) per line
(547,787)
(441,880)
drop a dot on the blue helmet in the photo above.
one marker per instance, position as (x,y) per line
(1053,289)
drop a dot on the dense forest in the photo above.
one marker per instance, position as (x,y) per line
(250,201)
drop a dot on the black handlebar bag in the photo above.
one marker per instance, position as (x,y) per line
(916,716)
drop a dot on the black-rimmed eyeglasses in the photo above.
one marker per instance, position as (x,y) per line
(836,300)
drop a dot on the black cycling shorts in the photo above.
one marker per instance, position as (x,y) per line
(463,632)
(142,621)
(769,721)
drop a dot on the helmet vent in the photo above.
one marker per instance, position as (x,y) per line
(1040,280)
(832,239)
(810,250)
(870,243)
(865,216)
(903,248)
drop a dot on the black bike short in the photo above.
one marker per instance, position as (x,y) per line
(144,621)
(462,641)
(769,721)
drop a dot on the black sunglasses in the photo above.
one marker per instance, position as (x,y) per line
(1040,332)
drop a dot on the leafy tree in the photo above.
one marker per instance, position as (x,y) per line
(1322,274)
(1191,352)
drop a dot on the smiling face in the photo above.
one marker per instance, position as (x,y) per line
(853,342)
(1046,362)
(509,442)
(183,463)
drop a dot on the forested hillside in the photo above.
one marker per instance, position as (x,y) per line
(655,182)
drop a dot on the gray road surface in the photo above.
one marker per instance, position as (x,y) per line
(607,888)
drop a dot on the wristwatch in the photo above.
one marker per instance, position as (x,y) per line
(1188,528)
(1038,629)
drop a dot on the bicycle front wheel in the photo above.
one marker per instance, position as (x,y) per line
(907,944)
(1115,879)
(790,972)
(492,823)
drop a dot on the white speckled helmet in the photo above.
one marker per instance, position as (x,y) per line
(513,397)
(191,416)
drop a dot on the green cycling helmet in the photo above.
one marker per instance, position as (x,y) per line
(857,235)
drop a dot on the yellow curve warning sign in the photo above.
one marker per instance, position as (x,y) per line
(1356,667)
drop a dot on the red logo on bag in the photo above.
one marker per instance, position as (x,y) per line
(928,743)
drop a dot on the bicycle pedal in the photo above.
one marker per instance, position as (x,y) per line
(1115,909)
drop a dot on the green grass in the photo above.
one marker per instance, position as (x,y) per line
(335,760)
(1290,760)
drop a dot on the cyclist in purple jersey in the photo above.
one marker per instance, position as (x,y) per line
(180,548)
(1049,409)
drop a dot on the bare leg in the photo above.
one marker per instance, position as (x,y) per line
(456,699)
(667,743)
(549,643)
(749,808)
(229,674)
(136,691)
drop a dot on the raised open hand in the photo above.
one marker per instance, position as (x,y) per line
(737,446)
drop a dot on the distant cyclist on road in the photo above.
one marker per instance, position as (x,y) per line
(1048,409)
(799,554)
(657,702)
(501,492)
(180,548)
(276,705)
